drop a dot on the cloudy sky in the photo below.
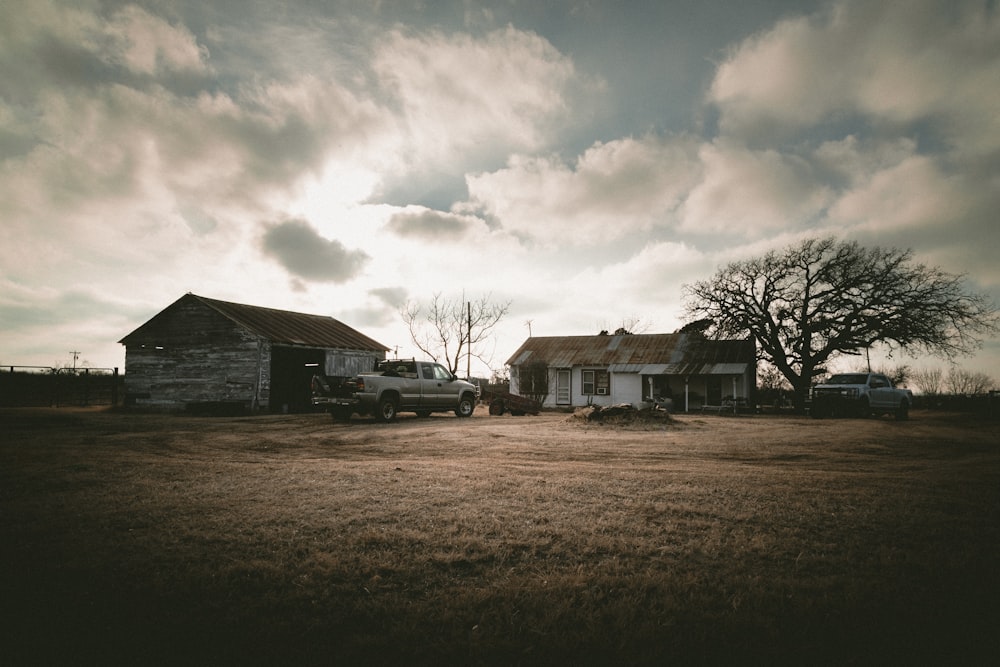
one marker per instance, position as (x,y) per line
(582,159)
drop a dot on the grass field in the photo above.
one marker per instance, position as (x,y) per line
(158,539)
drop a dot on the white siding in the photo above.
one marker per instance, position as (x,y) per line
(626,388)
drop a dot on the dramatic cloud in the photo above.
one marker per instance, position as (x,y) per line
(752,193)
(903,100)
(47,322)
(613,189)
(306,254)
(459,93)
(147,44)
(899,63)
(394,297)
(911,195)
(465,102)
(432,225)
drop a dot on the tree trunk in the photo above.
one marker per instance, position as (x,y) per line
(802,384)
(800,394)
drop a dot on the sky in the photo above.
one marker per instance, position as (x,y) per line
(581,160)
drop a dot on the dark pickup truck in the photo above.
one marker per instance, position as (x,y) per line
(398,385)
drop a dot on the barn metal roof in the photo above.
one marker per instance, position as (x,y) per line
(283,327)
(648,354)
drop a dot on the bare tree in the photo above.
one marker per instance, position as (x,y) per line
(961,382)
(928,380)
(500,376)
(697,327)
(812,302)
(448,330)
(769,379)
(772,387)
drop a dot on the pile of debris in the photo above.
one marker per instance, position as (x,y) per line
(622,414)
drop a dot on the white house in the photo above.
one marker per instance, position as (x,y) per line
(573,371)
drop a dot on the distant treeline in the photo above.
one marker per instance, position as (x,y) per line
(22,386)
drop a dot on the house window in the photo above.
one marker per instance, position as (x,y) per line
(596,382)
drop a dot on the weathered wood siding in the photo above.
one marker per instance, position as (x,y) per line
(196,356)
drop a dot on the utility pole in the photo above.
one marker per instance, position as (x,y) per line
(76,355)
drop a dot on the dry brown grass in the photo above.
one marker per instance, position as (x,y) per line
(497,540)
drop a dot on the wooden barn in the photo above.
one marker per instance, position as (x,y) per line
(200,353)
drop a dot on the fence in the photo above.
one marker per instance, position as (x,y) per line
(986,404)
(41,386)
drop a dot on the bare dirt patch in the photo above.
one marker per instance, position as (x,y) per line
(497,540)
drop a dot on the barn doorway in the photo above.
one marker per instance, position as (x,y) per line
(292,369)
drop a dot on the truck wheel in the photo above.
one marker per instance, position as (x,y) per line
(386,410)
(903,411)
(497,407)
(466,405)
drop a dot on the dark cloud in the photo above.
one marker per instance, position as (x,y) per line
(390,296)
(22,315)
(22,309)
(41,326)
(70,64)
(435,190)
(431,225)
(384,312)
(304,253)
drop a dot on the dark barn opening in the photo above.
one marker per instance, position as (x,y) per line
(292,369)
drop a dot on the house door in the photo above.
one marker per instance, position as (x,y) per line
(563,396)
(713,390)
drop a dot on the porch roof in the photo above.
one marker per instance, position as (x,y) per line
(650,354)
(680,369)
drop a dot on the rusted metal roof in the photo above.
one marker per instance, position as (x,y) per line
(283,327)
(648,354)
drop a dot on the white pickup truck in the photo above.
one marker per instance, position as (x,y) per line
(860,394)
(398,385)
